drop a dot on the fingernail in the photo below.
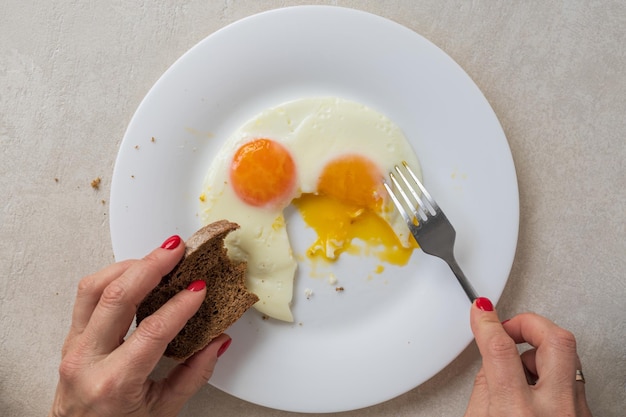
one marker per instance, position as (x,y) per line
(198,285)
(484,304)
(224,347)
(171,243)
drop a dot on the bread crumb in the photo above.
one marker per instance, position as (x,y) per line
(202,197)
(103,202)
(153,139)
(95,184)
(56,180)
(332,279)
(339,289)
(308,292)
(265,317)
(132,176)
(136,146)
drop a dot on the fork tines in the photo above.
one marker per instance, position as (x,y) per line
(420,208)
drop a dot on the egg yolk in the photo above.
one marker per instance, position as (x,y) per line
(348,205)
(353,179)
(263,173)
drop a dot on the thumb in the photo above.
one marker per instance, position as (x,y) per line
(479,400)
(503,370)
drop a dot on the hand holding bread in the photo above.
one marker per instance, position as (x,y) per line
(227,298)
(101,374)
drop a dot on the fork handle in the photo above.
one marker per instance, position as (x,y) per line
(467,287)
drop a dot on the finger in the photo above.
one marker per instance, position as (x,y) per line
(188,377)
(501,363)
(530,366)
(556,360)
(581,400)
(143,349)
(118,303)
(479,400)
(528,361)
(89,291)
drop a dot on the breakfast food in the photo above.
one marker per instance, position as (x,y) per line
(326,155)
(95,183)
(226,295)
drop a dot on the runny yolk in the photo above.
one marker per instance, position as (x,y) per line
(348,205)
(263,173)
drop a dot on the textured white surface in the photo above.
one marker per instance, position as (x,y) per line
(72,73)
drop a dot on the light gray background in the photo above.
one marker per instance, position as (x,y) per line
(73,72)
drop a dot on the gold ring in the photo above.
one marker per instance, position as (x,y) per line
(579,376)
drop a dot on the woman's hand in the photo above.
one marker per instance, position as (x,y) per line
(540,382)
(101,374)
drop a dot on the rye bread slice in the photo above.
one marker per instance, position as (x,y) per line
(226,297)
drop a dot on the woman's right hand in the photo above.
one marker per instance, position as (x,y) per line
(541,381)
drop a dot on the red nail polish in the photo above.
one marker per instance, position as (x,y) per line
(224,347)
(198,285)
(484,304)
(171,243)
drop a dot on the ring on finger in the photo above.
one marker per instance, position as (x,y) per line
(579,376)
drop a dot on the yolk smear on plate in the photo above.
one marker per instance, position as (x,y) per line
(338,223)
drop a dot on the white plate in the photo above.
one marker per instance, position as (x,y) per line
(386,333)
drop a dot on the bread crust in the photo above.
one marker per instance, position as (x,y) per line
(226,300)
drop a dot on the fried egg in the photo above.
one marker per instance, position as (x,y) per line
(328,157)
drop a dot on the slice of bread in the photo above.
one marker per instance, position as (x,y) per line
(226,297)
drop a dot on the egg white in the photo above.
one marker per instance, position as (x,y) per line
(315,131)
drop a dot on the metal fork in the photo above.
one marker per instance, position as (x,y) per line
(430,227)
